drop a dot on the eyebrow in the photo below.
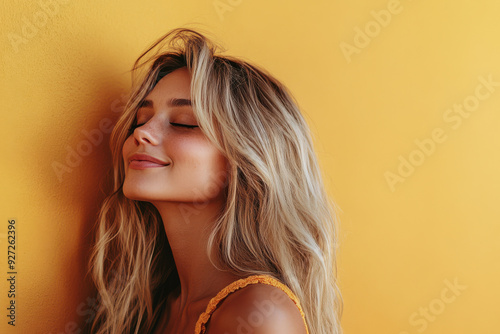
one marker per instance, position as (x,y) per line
(173,102)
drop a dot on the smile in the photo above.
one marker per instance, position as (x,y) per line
(143,164)
(143,161)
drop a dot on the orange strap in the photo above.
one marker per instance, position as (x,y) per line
(266,279)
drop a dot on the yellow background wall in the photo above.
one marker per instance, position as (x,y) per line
(381,84)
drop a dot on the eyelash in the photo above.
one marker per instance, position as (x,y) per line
(133,127)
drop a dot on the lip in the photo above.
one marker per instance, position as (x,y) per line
(143,161)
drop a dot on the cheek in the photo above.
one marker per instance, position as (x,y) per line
(205,163)
(129,142)
(127,148)
(200,154)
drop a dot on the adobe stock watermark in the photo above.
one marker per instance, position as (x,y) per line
(453,117)
(31,26)
(363,36)
(424,315)
(223,6)
(93,138)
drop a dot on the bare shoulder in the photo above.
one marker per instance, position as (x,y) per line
(257,309)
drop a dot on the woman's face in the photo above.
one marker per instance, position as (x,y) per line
(190,168)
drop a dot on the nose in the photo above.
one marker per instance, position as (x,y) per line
(146,134)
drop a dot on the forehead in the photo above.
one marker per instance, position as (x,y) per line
(172,92)
(175,84)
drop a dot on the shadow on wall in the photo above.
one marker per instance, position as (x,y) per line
(79,176)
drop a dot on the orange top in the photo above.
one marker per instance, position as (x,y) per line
(265,279)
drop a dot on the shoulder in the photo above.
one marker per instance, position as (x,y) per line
(257,309)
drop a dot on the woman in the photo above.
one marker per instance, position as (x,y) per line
(219,221)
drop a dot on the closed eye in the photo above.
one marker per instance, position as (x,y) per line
(134,126)
(184,125)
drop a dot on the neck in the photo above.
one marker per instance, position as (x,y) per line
(187,227)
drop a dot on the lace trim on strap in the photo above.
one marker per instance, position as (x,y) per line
(266,279)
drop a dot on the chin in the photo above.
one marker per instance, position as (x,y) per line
(134,197)
(133,193)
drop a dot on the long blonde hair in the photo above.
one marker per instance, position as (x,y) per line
(278,219)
